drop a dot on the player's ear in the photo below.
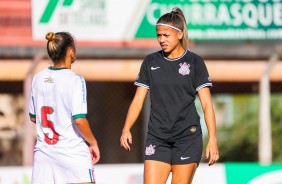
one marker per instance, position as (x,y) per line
(180,35)
(72,54)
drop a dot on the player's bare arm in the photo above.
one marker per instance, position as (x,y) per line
(212,150)
(84,128)
(132,115)
(33,120)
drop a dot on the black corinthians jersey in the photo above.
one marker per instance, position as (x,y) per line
(173,84)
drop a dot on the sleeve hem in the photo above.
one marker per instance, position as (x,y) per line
(204,85)
(141,85)
(31,115)
(78,116)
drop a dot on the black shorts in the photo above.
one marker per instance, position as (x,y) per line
(174,152)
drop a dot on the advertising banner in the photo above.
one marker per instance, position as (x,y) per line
(92,20)
(228,173)
(112,20)
(253,173)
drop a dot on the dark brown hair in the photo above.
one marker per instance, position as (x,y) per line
(58,44)
(176,18)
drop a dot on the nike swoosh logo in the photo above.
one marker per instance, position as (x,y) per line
(154,68)
(184,158)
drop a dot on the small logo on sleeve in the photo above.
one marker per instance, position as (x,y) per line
(184,68)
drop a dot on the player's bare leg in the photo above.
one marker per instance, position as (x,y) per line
(156,172)
(183,174)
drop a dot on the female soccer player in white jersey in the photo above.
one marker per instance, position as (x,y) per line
(174,76)
(66,149)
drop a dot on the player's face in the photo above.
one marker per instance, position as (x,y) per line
(168,38)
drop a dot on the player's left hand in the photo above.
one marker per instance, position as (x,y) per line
(95,153)
(212,151)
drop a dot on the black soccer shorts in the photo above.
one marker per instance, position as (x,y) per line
(174,152)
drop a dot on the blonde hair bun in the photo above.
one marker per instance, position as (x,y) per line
(50,36)
(175,9)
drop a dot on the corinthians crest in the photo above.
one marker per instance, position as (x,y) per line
(184,68)
(150,150)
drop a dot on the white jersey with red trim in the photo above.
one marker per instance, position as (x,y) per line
(58,97)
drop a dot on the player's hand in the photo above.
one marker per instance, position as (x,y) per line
(212,151)
(125,140)
(95,153)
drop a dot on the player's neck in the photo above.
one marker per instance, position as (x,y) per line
(175,53)
(62,64)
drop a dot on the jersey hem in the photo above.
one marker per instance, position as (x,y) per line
(80,164)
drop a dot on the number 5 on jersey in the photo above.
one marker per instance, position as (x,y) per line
(50,134)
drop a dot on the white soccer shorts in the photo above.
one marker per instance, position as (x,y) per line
(47,170)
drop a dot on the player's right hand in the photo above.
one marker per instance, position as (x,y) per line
(125,140)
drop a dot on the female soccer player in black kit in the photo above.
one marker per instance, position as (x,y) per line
(174,77)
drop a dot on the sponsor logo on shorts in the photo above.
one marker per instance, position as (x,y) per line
(184,68)
(184,158)
(150,150)
(193,129)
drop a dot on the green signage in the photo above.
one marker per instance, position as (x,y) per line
(253,173)
(220,19)
(50,8)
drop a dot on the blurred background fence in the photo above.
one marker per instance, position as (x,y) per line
(236,106)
